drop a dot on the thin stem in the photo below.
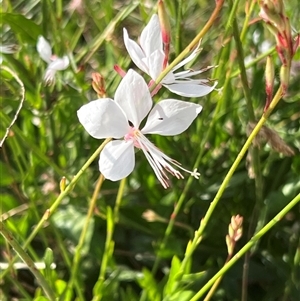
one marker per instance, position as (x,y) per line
(77,255)
(190,180)
(254,151)
(20,105)
(247,18)
(193,44)
(26,258)
(198,234)
(61,196)
(178,27)
(215,285)
(254,61)
(240,57)
(248,246)
(112,219)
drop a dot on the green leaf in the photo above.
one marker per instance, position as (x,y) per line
(25,28)
(181,295)
(170,285)
(71,222)
(149,284)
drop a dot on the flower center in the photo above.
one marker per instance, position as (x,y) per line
(133,135)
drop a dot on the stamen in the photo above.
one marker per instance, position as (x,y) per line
(159,161)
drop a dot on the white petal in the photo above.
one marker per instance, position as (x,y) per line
(133,97)
(155,63)
(8,48)
(117,160)
(171,117)
(136,53)
(188,59)
(59,63)
(49,76)
(190,88)
(151,37)
(103,118)
(44,49)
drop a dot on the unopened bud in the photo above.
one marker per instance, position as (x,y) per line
(62,184)
(273,6)
(230,245)
(236,221)
(165,29)
(269,76)
(98,84)
(164,22)
(272,11)
(284,78)
(235,232)
(151,216)
(238,235)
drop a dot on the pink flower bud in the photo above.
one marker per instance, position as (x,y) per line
(98,84)
(165,30)
(269,76)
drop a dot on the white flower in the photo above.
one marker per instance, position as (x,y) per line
(149,57)
(54,63)
(121,118)
(12,48)
(7,49)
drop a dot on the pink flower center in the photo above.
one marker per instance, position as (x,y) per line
(133,135)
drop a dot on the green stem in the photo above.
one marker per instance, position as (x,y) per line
(254,151)
(190,180)
(61,196)
(178,27)
(112,219)
(77,255)
(248,246)
(247,18)
(215,285)
(255,61)
(198,234)
(26,258)
(193,44)
(240,57)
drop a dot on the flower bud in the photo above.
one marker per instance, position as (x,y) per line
(165,30)
(62,184)
(164,23)
(98,84)
(235,232)
(272,11)
(269,76)
(151,216)
(230,245)
(284,78)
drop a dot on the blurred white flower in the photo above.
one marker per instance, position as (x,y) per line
(121,118)
(149,56)
(7,49)
(54,63)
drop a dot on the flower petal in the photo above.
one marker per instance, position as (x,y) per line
(155,63)
(49,76)
(133,97)
(103,118)
(171,117)
(59,63)
(117,160)
(151,37)
(188,59)
(193,88)
(44,49)
(135,52)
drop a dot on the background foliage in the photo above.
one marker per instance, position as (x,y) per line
(47,142)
